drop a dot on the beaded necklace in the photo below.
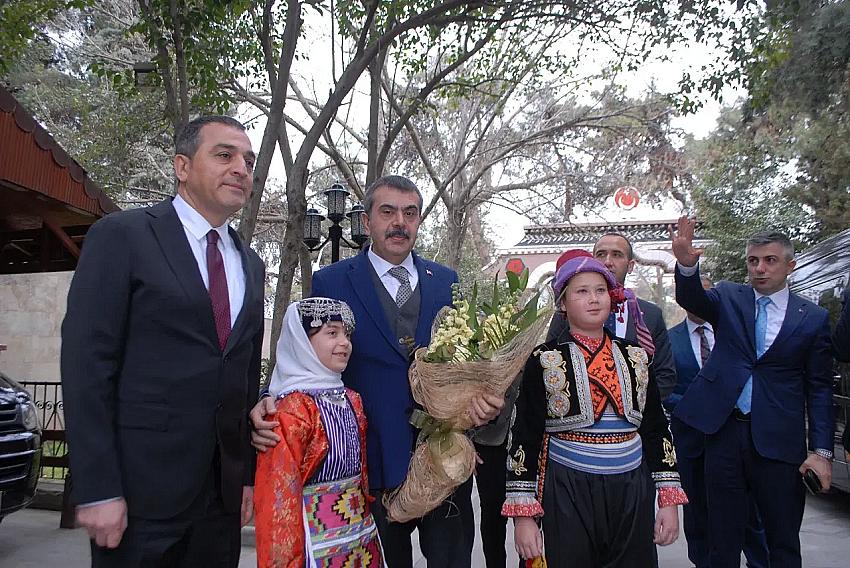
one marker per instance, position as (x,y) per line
(590,343)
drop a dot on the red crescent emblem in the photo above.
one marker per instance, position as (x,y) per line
(626,197)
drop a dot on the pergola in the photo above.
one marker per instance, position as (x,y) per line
(47,201)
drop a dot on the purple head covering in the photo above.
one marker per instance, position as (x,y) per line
(582,263)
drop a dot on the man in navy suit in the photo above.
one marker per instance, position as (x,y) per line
(770,369)
(161,362)
(395,295)
(692,341)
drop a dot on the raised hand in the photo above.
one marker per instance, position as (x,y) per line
(682,241)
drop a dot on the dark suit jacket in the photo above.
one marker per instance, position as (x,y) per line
(662,361)
(148,393)
(792,379)
(689,442)
(378,366)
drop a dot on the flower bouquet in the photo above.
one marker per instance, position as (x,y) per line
(477,346)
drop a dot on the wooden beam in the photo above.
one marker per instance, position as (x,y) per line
(63,237)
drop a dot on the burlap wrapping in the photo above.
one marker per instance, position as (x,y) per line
(445,391)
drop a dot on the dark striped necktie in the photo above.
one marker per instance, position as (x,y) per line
(218,289)
(704,350)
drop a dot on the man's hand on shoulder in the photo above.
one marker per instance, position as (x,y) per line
(262,436)
(105,522)
(485,407)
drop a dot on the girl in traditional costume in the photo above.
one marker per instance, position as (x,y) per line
(590,446)
(311,493)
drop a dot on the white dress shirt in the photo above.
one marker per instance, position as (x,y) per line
(196,229)
(382,269)
(694,336)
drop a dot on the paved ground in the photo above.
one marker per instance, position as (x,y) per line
(32,539)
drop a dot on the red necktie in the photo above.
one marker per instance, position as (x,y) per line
(218,289)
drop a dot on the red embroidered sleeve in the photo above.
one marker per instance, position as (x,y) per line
(281,474)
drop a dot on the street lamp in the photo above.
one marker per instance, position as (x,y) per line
(336,197)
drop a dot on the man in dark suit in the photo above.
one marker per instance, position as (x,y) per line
(615,251)
(841,349)
(692,342)
(395,295)
(770,369)
(161,362)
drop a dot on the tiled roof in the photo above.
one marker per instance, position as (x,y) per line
(588,233)
(30,158)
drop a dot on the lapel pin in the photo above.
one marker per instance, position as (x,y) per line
(428,272)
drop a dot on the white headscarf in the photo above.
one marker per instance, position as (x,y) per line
(298,367)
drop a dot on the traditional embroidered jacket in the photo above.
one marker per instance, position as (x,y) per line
(559,398)
(286,472)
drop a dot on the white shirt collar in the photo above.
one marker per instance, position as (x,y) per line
(194,222)
(382,266)
(692,325)
(780,298)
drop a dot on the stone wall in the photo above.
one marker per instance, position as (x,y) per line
(31,310)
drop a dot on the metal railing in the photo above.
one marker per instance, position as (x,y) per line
(47,397)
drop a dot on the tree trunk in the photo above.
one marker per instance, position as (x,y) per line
(275,131)
(376,67)
(476,232)
(290,250)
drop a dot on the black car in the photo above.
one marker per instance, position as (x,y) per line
(820,276)
(20,447)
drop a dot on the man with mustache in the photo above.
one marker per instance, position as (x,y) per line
(395,295)
(161,362)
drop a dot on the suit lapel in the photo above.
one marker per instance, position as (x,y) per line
(795,313)
(360,280)
(250,284)
(747,313)
(175,247)
(427,297)
(685,342)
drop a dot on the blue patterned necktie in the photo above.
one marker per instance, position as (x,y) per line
(746,399)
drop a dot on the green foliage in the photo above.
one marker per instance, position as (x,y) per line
(24,20)
(122,140)
(741,189)
(793,58)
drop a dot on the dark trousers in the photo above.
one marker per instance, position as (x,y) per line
(598,521)
(490,479)
(202,535)
(735,472)
(695,518)
(445,534)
